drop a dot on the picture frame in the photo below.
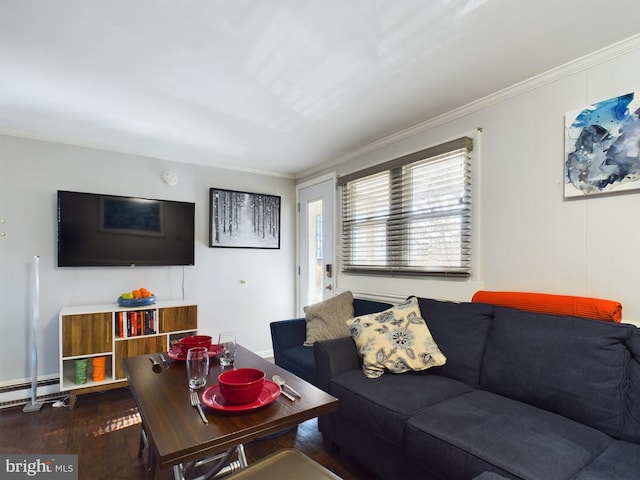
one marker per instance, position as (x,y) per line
(243,220)
(601,153)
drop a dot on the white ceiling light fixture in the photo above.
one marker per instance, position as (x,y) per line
(170,178)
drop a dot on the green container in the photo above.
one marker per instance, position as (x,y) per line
(81,371)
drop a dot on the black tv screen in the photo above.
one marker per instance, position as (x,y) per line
(105,230)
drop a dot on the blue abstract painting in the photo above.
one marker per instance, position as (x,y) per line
(602,147)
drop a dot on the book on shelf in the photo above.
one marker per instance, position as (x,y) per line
(136,323)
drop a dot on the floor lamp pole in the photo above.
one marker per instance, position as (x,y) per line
(34,406)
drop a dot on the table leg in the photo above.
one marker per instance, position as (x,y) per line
(151,469)
(146,441)
(143,441)
(242,459)
(177,472)
(221,468)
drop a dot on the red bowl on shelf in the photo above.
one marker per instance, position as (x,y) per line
(242,385)
(193,341)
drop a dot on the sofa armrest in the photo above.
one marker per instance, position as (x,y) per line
(333,357)
(286,334)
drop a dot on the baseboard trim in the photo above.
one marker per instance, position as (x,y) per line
(19,392)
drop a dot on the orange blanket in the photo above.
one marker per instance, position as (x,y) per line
(585,307)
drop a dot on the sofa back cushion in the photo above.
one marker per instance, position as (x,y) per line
(367,307)
(460,330)
(572,366)
(631,429)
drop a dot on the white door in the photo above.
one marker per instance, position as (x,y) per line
(316,242)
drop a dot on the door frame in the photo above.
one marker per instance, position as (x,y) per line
(332,176)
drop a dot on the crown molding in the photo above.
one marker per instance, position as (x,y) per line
(79,143)
(580,64)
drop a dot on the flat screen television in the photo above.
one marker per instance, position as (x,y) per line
(106,230)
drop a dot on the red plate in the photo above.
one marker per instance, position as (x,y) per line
(211,397)
(214,350)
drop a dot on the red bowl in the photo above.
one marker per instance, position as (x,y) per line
(242,385)
(194,341)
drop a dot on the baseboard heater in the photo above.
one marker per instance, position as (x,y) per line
(20,393)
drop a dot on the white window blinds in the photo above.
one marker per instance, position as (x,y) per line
(411,215)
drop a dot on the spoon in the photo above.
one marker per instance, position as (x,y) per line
(280,381)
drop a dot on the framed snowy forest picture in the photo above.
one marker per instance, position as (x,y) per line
(243,220)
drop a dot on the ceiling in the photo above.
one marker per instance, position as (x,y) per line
(277,86)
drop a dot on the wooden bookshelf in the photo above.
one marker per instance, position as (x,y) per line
(115,332)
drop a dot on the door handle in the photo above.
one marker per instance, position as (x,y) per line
(329,287)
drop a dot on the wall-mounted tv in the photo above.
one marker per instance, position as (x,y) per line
(106,230)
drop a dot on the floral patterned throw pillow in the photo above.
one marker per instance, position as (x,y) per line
(397,339)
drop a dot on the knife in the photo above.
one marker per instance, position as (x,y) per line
(288,395)
(293,390)
(202,415)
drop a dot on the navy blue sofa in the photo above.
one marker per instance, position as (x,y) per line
(522,395)
(287,337)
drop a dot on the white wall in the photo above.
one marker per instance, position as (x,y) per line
(30,174)
(528,238)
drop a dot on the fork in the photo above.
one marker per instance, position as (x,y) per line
(195,402)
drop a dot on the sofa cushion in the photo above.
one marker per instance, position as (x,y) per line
(631,429)
(460,330)
(383,405)
(568,365)
(362,306)
(397,339)
(479,431)
(621,461)
(326,319)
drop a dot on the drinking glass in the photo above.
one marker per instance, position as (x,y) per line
(198,366)
(228,342)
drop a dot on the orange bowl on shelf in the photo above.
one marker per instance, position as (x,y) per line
(242,385)
(194,341)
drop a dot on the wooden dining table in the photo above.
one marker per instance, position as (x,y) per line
(176,434)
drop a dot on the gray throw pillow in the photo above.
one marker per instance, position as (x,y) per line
(327,319)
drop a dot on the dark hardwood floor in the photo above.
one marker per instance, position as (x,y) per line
(104,430)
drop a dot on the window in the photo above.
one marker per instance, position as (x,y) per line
(411,215)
